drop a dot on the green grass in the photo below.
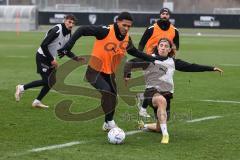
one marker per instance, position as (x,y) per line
(23,128)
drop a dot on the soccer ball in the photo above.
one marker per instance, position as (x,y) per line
(116,136)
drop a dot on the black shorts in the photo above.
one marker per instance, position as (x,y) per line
(148,95)
(43,65)
(101,81)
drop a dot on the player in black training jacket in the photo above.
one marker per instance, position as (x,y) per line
(46,62)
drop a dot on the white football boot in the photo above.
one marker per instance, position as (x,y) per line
(108,126)
(143,112)
(140,98)
(19,92)
(38,104)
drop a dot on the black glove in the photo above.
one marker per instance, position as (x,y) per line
(62,52)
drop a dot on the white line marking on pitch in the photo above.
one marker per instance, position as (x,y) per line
(36,89)
(57,146)
(17,56)
(210,35)
(204,118)
(133,132)
(50,148)
(230,65)
(197,35)
(220,101)
(72,143)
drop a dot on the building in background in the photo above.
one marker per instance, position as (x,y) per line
(179,6)
(200,13)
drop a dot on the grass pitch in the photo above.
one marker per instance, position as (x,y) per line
(23,129)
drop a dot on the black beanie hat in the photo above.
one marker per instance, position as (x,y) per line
(125,15)
(165,10)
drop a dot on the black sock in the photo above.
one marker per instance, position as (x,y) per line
(145,104)
(43,92)
(109,102)
(168,108)
(109,116)
(33,84)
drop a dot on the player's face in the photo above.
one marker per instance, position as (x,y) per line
(165,15)
(69,24)
(164,48)
(124,26)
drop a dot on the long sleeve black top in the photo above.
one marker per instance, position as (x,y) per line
(180,65)
(100,32)
(51,35)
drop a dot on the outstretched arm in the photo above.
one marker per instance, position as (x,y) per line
(100,32)
(181,65)
(134,64)
(71,55)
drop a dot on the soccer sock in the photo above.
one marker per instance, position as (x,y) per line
(143,109)
(145,127)
(36,101)
(145,104)
(112,123)
(21,87)
(164,129)
(33,84)
(43,92)
(106,119)
(109,116)
(108,103)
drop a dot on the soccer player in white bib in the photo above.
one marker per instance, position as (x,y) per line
(159,82)
(46,61)
(161,29)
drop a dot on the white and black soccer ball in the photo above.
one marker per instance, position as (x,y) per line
(116,136)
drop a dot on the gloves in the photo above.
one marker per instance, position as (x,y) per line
(62,53)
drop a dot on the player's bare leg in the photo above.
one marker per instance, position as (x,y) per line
(160,102)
